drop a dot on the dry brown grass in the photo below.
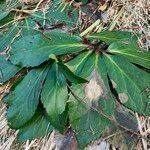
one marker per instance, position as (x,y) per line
(131,15)
(135,17)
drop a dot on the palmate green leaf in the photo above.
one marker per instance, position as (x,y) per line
(89,115)
(38,127)
(33,50)
(54,96)
(23,101)
(113,36)
(132,52)
(70,75)
(130,83)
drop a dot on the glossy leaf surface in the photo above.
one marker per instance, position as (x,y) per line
(23,101)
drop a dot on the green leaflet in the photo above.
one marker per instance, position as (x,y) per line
(87,123)
(38,126)
(7,21)
(20,30)
(132,52)
(28,27)
(130,83)
(89,116)
(7,69)
(70,75)
(3,11)
(7,37)
(113,36)
(33,50)
(3,14)
(54,96)
(23,101)
(58,13)
(80,66)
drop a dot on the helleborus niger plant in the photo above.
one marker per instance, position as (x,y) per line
(67,81)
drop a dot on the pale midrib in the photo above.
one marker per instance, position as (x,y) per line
(55,47)
(111,39)
(130,55)
(82,60)
(123,72)
(125,75)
